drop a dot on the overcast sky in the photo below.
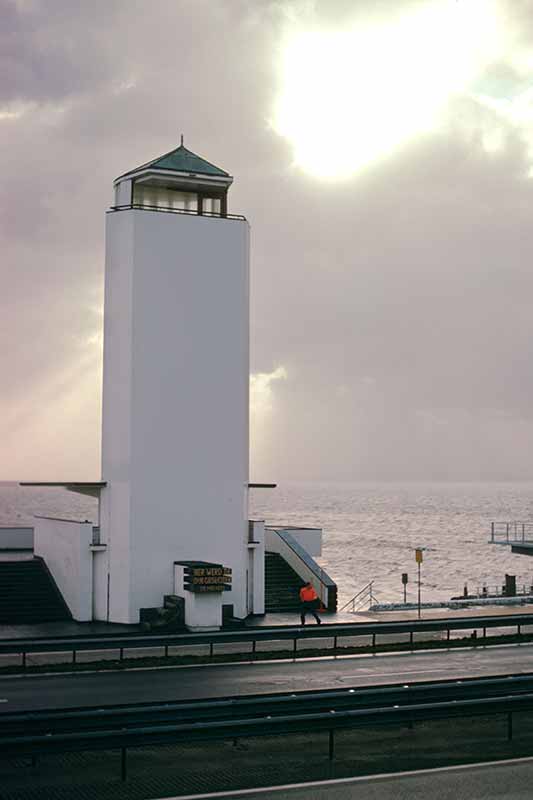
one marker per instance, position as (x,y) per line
(391,205)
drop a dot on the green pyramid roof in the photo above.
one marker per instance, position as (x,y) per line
(183,160)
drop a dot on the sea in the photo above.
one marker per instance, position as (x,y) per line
(370,530)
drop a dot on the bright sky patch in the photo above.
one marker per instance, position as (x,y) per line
(350,98)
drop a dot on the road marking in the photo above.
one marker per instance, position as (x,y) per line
(369,674)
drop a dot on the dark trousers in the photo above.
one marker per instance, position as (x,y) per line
(309,608)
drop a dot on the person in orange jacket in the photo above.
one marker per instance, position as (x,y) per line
(310,602)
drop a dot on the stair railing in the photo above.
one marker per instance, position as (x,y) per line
(364,597)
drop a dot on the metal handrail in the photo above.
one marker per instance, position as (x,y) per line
(498,590)
(172,210)
(365,593)
(511,532)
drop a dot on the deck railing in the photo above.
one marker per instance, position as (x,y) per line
(487,591)
(172,210)
(511,532)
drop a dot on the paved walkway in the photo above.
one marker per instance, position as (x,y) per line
(511,780)
(72,628)
(271,620)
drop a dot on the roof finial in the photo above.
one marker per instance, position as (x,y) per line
(181,143)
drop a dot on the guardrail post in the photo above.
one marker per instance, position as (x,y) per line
(23,663)
(373,641)
(492,532)
(335,643)
(73,656)
(331,745)
(510,726)
(123,764)
(166,651)
(519,630)
(211,647)
(121,656)
(294,647)
(254,645)
(411,643)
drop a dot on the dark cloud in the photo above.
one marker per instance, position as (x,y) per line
(50,51)
(397,301)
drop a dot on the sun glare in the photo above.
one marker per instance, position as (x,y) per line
(350,98)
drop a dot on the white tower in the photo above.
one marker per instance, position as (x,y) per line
(176,382)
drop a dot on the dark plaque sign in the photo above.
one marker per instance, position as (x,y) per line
(201,576)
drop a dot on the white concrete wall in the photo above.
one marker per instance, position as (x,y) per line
(100,564)
(179,573)
(203,612)
(16,538)
(175,403)
(66,548)
(123,193)
(256,568)
(116,408)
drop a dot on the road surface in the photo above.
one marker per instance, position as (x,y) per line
(26,692)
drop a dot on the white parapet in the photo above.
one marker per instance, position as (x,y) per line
(308,538)
(65,547)
(16,538)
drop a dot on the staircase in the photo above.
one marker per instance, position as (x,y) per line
(282,585)
(28,593)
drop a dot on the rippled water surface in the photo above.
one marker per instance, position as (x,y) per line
(370,530)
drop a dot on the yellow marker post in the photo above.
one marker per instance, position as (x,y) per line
(419,558)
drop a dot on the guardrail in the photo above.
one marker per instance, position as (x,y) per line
(38,733)
(253,636)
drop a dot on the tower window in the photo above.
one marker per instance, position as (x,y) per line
(160,197)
